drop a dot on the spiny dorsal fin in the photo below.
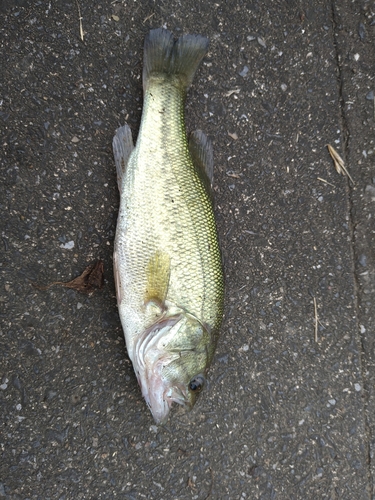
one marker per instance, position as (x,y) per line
(163,55)
(122,147)
(202,155)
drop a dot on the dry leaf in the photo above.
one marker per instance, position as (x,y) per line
(91,279)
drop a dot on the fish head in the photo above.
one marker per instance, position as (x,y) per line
(171,360)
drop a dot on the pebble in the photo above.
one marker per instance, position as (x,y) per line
(261,42)
(370,190)
(362,32)
(244,72)
(68,246)
(363,260)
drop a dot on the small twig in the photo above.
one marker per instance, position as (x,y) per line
(148,17)
(316,320)
(326,182)
(338,162)
(191,484)
(230,92)
(80,21)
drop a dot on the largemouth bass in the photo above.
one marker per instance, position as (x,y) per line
(167,265)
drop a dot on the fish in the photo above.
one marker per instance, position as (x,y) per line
(167,261)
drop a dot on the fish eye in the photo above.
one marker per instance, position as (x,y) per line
(196,384)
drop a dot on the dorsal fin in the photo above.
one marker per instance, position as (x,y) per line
(202,155)
(122,147)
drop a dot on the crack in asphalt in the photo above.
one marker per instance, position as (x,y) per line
(344,125)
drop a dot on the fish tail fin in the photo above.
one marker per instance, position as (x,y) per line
(172,58)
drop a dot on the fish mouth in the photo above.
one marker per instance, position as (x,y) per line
(160,396)
(150,361)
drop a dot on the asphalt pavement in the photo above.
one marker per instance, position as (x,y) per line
(290,408)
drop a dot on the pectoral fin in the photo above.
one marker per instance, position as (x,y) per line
(158,274)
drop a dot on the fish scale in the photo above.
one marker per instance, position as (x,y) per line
(183,228)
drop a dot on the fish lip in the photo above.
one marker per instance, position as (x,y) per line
(160,413)
(160,396)
(158,392)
